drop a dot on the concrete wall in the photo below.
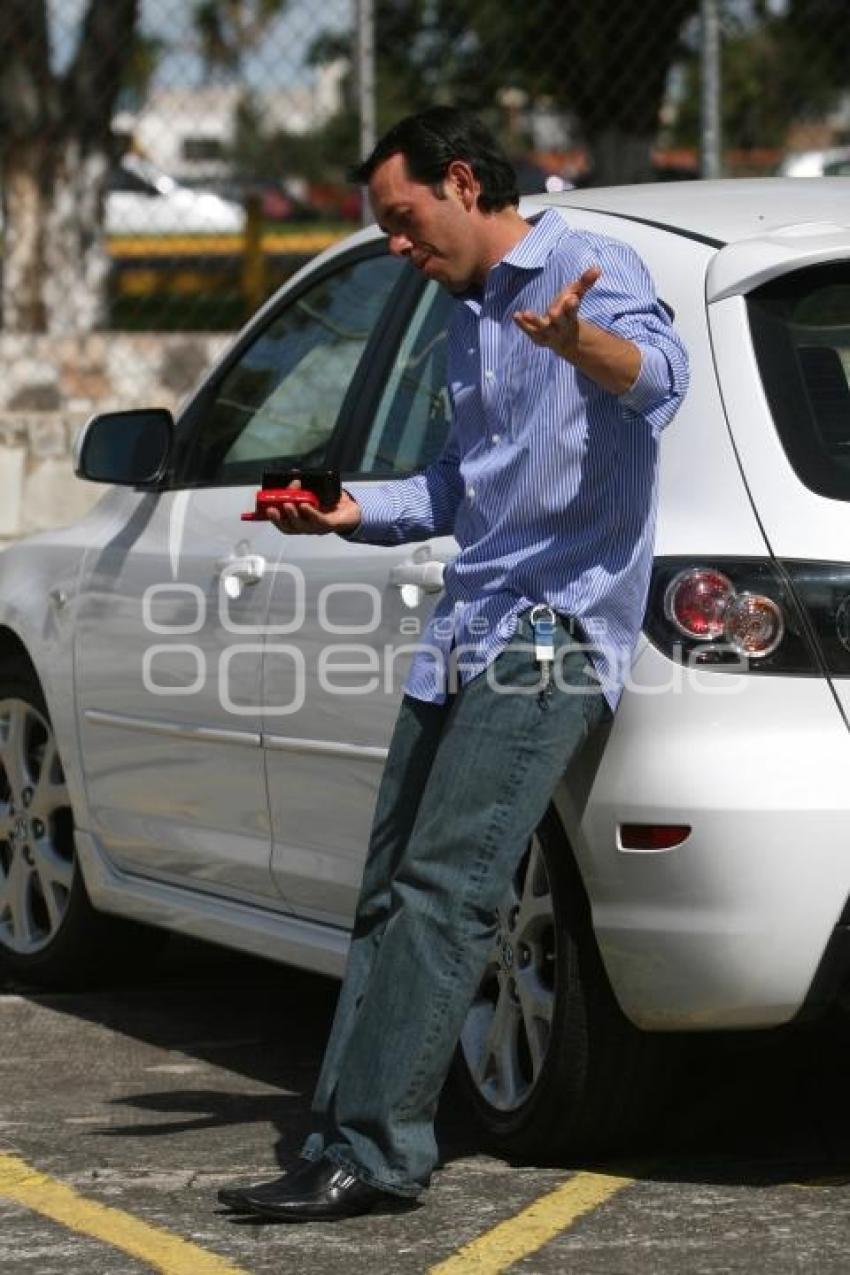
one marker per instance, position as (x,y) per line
(49,386)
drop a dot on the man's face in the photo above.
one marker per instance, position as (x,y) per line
(439,235)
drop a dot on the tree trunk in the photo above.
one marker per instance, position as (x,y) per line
(56,147)
(55,263)
(75,258)
(620,158)
(23,238)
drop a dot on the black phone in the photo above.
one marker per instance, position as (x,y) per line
(324,483)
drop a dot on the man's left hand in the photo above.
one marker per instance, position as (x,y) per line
(606,358)
(558,328)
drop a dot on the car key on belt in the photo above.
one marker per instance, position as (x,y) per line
(543,621)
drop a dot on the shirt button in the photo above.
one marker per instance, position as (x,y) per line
(489,375)
(495,439)
(470,493)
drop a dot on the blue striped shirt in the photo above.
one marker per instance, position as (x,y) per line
(547,481)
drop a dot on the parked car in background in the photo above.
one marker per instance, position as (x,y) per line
(195,710)
(832,162)
(143,200)
(280,204)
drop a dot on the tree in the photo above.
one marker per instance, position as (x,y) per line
(321,155)
(758,99)
(57,146)
(778,67)
(228,29)
(607,64)
(54,159)
(821,33)
(613,74)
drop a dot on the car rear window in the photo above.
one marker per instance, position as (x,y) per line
(800,325)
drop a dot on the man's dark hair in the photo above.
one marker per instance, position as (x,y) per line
(430,140)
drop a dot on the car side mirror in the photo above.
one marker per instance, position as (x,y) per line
(128,448)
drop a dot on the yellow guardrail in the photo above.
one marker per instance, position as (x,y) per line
(183,266)
(275,243)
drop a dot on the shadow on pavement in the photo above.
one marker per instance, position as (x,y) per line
(745,1109)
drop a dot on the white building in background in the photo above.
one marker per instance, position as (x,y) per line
(187,132)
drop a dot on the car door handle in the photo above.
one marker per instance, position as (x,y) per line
(236,572)
(427,576)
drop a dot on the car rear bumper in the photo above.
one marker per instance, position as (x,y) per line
(730,928)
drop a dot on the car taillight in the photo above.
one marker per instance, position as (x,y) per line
(696,602)
(754,625)
(740,615)
(705,606)
(823,591)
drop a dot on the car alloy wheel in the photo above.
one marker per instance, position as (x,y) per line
(506,1034)
(36,831)
(547,1060)
(49,932)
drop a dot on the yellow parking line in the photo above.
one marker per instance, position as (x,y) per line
(535,1226)
(158,1248)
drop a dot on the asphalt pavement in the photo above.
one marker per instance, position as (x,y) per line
(123,1110)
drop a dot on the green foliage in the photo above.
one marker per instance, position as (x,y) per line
(820,32)
(606,65)
(142,62)
(321,155)
(777,69)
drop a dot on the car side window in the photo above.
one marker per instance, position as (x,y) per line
(800,324)
(279,403)
(412,417)
(123,181)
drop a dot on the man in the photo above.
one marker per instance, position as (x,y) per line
(562,370)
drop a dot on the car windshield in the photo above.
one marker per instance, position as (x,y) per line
(800,325)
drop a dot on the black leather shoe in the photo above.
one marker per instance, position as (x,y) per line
(321,1192)
(233,1197)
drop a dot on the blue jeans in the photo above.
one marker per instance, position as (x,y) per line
(464,787)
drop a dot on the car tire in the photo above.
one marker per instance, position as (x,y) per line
(50,934)
(547,1061)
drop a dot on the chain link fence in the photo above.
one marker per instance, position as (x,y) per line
(166,164)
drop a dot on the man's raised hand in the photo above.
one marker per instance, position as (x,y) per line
(558,328)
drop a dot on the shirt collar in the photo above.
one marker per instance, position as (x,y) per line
(533,250)
(529,253)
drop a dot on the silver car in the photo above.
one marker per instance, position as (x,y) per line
(195,710)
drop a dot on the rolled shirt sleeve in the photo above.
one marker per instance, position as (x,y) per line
(410,508)
(623,301)
(376,512)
